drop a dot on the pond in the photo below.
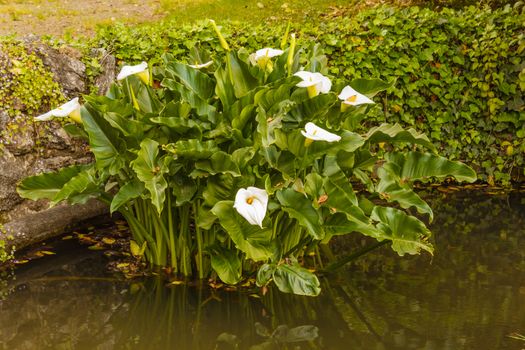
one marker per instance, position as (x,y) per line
(470,295)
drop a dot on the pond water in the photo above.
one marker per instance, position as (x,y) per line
(470,295)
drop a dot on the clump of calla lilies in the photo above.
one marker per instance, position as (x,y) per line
(242,166)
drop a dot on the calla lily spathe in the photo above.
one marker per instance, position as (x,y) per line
(251,204)
(315,83)
(69,109)
(263,56)
(202,65)
(141,70)
(315,133)
(351,97)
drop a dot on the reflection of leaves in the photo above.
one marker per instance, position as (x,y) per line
(285,335)
(230,339)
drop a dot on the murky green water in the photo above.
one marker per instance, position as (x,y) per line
(470,295)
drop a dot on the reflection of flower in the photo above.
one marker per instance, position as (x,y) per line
(70,109)
(315,83)
(263,56)
(202,65)
(251,204)
(353,98)
(140,69)
(315,133)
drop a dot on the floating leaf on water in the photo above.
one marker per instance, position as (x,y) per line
(96,247)
(23,261)
(255,296)
(177,283)
(47,252)
(108,240)
(137,250)
(67,237)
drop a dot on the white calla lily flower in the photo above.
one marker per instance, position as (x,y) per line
(202,65)
(314,133)
(140,69)
(267,52)
(251,204)
(315,83)
(69,109)
(263,57)
(351,97)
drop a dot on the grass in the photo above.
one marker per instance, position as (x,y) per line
(185,11)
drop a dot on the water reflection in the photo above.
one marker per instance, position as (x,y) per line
(471,295)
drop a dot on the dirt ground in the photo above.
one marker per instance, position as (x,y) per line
(70,17)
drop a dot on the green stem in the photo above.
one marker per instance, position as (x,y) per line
(136,229)
(352,256)
(198,234)
(184,240)
(171,232)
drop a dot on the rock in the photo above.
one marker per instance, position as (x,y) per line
(22,141)
(32,148)
(49,223)
(68,71)
(10,173)
(108,70)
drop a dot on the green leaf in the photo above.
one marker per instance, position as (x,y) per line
(48,185)
(240,76)
(251,239)
(74,130)
(416,166)
(193,149)
(104,141)
(407,233)
(391,190)
(337,186)
(129,191)
(202,107)
(264,274)
(150,170)
(196,81)
(219,163)
(314,186)
(371,87)
(224,87)
(294,141)
(339,224)
(395,133)
(183,187)
(226,263)
(80,188)
(297,280)
(299,207)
